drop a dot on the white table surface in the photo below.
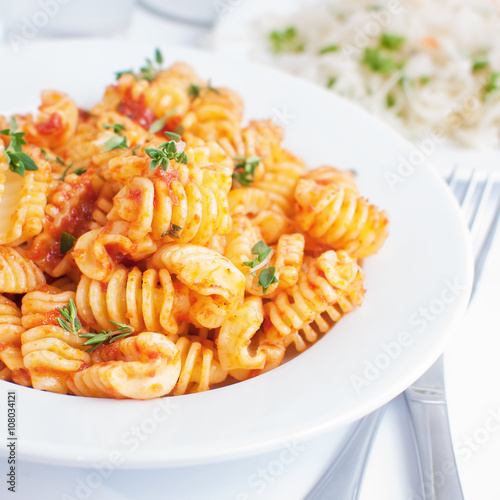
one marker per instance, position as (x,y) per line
(472,378)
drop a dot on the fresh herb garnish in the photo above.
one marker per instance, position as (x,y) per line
(67,242)
(492,84)
(69,320)
(479,64)
(18,161)
(285,40)
(244,170)
(424,80)
(165,152)
(117,127)
(379,63)
(157,125)
(65,172)
(115,142)
(173,231)
(79,171)
(262,251)
(97,339)
(391,42)
(267,277)
(328,49)
(173,136)
(148,72)
(330,82)
(195,90)
(390,100)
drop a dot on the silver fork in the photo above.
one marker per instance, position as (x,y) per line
(343,478)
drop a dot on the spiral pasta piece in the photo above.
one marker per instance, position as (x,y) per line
(330,175)
(148,301)
(40,307)
(155,205)
(236,333)
(328,278)
(142,367)
(216,285)
(99,252)
(340,218)
(240,241)
(17,273)
(263,212)
(51,354)
(200,365)
(288,259)
(11,330)
(282,170)
(215,115)
(23,202)
(169,95)
(70,209)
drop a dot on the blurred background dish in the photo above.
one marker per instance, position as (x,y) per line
(203,12)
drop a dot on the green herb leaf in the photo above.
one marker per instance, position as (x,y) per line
(97,339)
(157,125)
(65,172)
(285,40)
(262,251)
(148,72)
(173,231)
(119,74)
(115,142)
(69,320)
(424,80)
(331,82)
(158,57)
(173,136)
(390,100)
(328,49)
(79,170)
(391,42)
(117,127)
(29,164)
(267,277)
(165,152)
(492,84)
(19,162)
(379,63)
(67,242)
(194,90)
(479,64)
(244,170)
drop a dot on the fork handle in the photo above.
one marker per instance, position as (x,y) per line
(342,480)
(432,433)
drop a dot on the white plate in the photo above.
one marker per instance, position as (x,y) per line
(428,247)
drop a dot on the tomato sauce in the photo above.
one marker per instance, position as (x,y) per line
(136,110)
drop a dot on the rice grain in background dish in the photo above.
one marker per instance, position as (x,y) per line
(422,65)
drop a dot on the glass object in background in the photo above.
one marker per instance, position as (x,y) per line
(27,19)
(202,12)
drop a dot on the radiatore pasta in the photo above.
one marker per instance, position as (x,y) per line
(155,245)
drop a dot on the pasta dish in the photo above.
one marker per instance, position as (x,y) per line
(154,245)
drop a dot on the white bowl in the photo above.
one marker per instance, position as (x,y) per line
(369,357)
